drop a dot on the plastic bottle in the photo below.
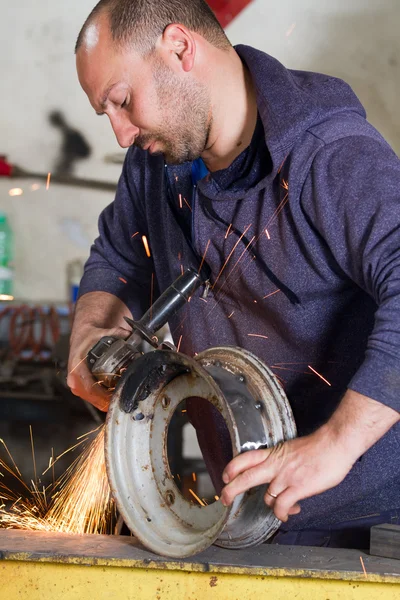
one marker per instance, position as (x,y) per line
(6,259)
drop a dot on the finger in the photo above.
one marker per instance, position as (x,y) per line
(242,462)
(295,510)
(286,504)
(258,475)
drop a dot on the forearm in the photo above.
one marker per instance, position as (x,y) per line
(98,310)
(358,423)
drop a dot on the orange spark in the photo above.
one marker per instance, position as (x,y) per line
(180,200)
(265,337)
(179,344)
(230,254)
(182,271)
(122,279)
(278,209)
(290,30)
(217,498)
(194,477)
(231,314)
(363,567)
(267,234)
(79,363)
(134,235)
(151,295)
(228,230)
(204,300)
(204,256)
(184,410)
(320,376)
(33,452)
(48,181)
(271,294)
(187,204)
(197,498)
(146,245)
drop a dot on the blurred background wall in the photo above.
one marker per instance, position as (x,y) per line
(357,41)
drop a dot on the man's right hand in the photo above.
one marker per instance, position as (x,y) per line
(80,380)
(94,307)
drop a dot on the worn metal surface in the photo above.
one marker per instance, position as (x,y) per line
(137,461)
(262,417)
(257,415)
(49,565)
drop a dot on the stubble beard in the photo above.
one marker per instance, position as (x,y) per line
(185,111)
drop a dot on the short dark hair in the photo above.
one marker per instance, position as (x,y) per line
(141,22)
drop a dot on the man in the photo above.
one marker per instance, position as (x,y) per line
(277,182)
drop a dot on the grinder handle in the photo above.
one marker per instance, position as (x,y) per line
(171,301)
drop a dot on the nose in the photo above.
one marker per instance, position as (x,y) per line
(124,131)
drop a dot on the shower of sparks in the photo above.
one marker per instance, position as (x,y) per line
(196,497)
(83,503)
(265,337)
(230,254)
(267,234)
(146,246)
(48,181)
(228,230)
(79,502)
(194,477)
(271,294)
(15,192)
(229,316)
(122,279)
(363,567)
(320,376)
(179,344)
(290,30)
(180,201)
(204,255)
(134,235)
(232,271)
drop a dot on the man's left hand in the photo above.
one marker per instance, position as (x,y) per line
(295,470)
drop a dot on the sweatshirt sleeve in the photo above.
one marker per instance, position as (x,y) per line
(118,263)
(352,197)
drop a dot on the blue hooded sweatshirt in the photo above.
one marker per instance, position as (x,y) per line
(301,237)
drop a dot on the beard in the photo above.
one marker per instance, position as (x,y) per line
(185,112)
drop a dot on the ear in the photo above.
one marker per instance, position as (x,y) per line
(179,46)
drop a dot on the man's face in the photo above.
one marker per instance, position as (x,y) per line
(148,104)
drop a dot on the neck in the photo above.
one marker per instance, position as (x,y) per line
(234,111)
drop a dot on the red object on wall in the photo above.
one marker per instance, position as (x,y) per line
(227,10)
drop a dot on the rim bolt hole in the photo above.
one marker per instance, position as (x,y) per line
(165,402)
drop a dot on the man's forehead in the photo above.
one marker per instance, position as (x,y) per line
(91,37)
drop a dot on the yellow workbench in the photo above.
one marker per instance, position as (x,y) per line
(49,566)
